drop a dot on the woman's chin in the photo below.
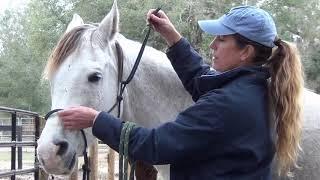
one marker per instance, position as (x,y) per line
(215,67)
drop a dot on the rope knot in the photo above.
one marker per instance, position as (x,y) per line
(86,168)
(119,98)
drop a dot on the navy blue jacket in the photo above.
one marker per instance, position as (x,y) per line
(224,135)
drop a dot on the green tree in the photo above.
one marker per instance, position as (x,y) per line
(297,21)
(16,83)
(313,69)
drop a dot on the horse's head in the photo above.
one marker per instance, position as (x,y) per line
(82,71)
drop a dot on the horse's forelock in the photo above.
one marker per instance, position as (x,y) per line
(68,43)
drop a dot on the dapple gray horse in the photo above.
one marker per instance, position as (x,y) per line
(85,71)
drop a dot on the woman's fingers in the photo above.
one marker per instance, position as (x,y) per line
(66,112)
(77,117)
(157,19)
(68,125)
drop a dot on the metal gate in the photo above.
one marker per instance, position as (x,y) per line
(14,144)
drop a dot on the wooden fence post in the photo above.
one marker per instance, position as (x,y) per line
(111,159)
(93,160)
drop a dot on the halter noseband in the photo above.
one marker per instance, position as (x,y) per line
(85,167)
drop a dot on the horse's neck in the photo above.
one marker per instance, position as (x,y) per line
(155,95)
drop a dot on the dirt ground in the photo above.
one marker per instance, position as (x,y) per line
(103,166)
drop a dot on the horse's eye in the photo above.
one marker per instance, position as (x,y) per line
(94,77)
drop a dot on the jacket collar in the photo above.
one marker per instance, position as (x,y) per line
(217,80)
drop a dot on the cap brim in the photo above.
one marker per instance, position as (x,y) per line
(215,27)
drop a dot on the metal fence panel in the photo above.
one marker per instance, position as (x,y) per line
(17,143)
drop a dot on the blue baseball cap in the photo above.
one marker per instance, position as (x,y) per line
(251,22)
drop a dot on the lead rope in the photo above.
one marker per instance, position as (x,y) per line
(85,167)
(128,126)
(124,152)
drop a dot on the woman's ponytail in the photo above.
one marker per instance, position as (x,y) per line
(286,89)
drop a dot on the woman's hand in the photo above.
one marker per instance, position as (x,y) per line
(79,117)
(162,24)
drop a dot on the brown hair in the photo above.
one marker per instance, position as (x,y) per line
(68,43)
(285,91)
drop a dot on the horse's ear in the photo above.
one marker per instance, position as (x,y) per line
(109,26)
(76,21)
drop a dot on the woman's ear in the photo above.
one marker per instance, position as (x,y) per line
(247,54)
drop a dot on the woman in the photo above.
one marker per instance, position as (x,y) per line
(226,134)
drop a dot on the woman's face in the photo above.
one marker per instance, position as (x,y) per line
(226,55)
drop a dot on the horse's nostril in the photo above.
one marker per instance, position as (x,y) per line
(62,146)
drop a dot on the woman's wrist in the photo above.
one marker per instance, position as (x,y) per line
(173,37)
(96,116)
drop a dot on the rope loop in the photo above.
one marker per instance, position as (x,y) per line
(124,152)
